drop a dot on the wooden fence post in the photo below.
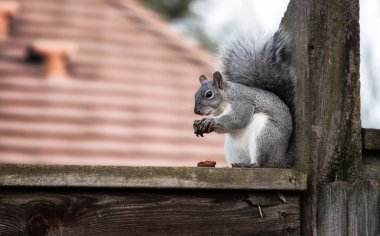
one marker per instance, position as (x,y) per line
(363,210)
(346,209)
(332,209)
(326,60)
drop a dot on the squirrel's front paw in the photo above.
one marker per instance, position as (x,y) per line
(206,125)
(196,127)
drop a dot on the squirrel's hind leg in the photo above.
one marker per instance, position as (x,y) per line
(243,165)
(271,146)
(257,127)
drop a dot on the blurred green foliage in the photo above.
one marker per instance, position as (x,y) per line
(179,12)
(173,9)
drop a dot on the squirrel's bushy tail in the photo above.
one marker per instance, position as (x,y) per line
(265,65)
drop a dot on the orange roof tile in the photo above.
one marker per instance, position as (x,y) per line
(129,99)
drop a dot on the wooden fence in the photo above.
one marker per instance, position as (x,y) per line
(110,200)
(84,200)
(332,190)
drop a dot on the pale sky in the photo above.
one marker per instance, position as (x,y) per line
(370,62)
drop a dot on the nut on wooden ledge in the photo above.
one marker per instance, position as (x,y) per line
(207,163)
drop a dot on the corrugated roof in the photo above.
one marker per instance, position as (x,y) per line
(129,100)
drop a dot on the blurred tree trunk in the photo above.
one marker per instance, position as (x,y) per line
(326,59)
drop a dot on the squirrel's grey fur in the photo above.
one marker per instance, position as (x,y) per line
(254,104)
(264,65)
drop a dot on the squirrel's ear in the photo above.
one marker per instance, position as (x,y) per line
(218,80)
(202,78)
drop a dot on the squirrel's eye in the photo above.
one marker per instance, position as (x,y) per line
(209,94)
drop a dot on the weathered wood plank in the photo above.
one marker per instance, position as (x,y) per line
(363,210)
(376,184)
(371,139)
(332,209)
(138,212)
(151,177)
(371,164)
(326,62)
(348,209)
(326,58)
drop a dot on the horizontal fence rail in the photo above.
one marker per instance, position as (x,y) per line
(151,177)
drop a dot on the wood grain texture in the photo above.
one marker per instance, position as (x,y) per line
(363,210)
(137,212)
(371,170)
(371,164)
(371,139)
(376,184)
(348,209)
(326,61)
(332,209)
(151,177)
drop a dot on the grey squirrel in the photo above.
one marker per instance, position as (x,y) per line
(253,104)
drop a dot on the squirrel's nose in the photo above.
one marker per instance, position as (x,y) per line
(197,111)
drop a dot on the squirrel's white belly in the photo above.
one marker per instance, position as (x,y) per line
(241,145)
